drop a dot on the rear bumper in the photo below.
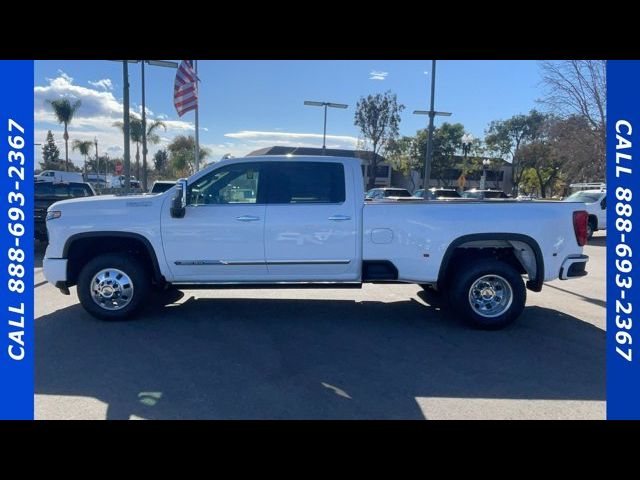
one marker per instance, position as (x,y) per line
(574,266)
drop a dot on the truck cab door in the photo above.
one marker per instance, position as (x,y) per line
(221,236)
(311,231)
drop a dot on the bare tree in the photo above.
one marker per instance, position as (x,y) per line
(578,88)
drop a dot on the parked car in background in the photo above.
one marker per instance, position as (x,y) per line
(595,201)
(160,186)
(478,194)
(48,193)
(58,176)
(436,193)
(387,192)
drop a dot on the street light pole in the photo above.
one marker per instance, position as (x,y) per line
(95,141)
(126,126)
(432,114)
(144,131)
(325,105)
(483,181)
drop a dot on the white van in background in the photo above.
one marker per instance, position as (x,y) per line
(58,176)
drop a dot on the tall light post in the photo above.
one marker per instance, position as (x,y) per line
(95,141)
(309,103)
(432,114)
(483,181)
(126,127)
(467,141)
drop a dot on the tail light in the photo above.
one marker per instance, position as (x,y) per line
(580,221)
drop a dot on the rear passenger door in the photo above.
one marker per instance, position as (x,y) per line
(311,222)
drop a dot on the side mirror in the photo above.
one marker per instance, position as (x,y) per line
(179,201)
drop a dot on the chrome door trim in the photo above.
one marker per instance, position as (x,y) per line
(274,262)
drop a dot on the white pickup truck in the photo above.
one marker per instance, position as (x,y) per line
(303,222)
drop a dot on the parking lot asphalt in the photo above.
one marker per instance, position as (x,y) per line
(382,352)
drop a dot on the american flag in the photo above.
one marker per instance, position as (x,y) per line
(185,88)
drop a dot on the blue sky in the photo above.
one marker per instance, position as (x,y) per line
(245,105)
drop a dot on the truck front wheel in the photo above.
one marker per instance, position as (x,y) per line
(113,286)
(488,294)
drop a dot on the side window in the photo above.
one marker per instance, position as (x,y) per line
(603,203)
(306,182)
(237,183)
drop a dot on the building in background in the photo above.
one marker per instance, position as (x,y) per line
(499,174)
(383,176)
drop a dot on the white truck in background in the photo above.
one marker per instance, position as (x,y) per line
(594,197)
(303,222)
(58,176)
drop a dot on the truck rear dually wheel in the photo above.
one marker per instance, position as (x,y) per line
(488,294)
(113,286)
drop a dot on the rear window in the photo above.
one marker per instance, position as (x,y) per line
(61,190)
(584,197)
(306,182)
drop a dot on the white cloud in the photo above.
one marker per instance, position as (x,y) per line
(289,138)
(104,83)
(95,117)
(375,75)
(65,76)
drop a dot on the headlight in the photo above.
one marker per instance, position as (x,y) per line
(53,214)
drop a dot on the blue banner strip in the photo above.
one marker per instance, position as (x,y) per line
(16,239)
(623,285)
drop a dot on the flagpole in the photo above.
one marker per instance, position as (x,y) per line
(197,152)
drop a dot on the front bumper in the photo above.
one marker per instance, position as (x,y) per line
(574,266)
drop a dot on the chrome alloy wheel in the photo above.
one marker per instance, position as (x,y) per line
(490,296)
(111,289)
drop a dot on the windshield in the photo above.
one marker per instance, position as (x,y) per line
(471,194)
(397,192)
(583,197)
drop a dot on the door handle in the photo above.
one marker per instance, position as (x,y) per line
(339,218)
(247,218)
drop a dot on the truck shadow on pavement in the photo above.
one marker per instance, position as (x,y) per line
(310,359)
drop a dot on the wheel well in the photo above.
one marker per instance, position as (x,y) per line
(81,249)
(594,220)
(519,251)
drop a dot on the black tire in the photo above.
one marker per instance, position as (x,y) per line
(435,298)
(126,263)
(464,278)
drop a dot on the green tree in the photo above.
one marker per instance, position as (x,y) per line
(447,139)
(404,157)
(50,154)
(378,118)
(135,133)
(64,111)
(84,147)
(507,136)
(161,161)
(182,155)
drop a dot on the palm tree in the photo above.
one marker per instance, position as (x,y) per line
(135,132)
(84,147)
(64,111)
